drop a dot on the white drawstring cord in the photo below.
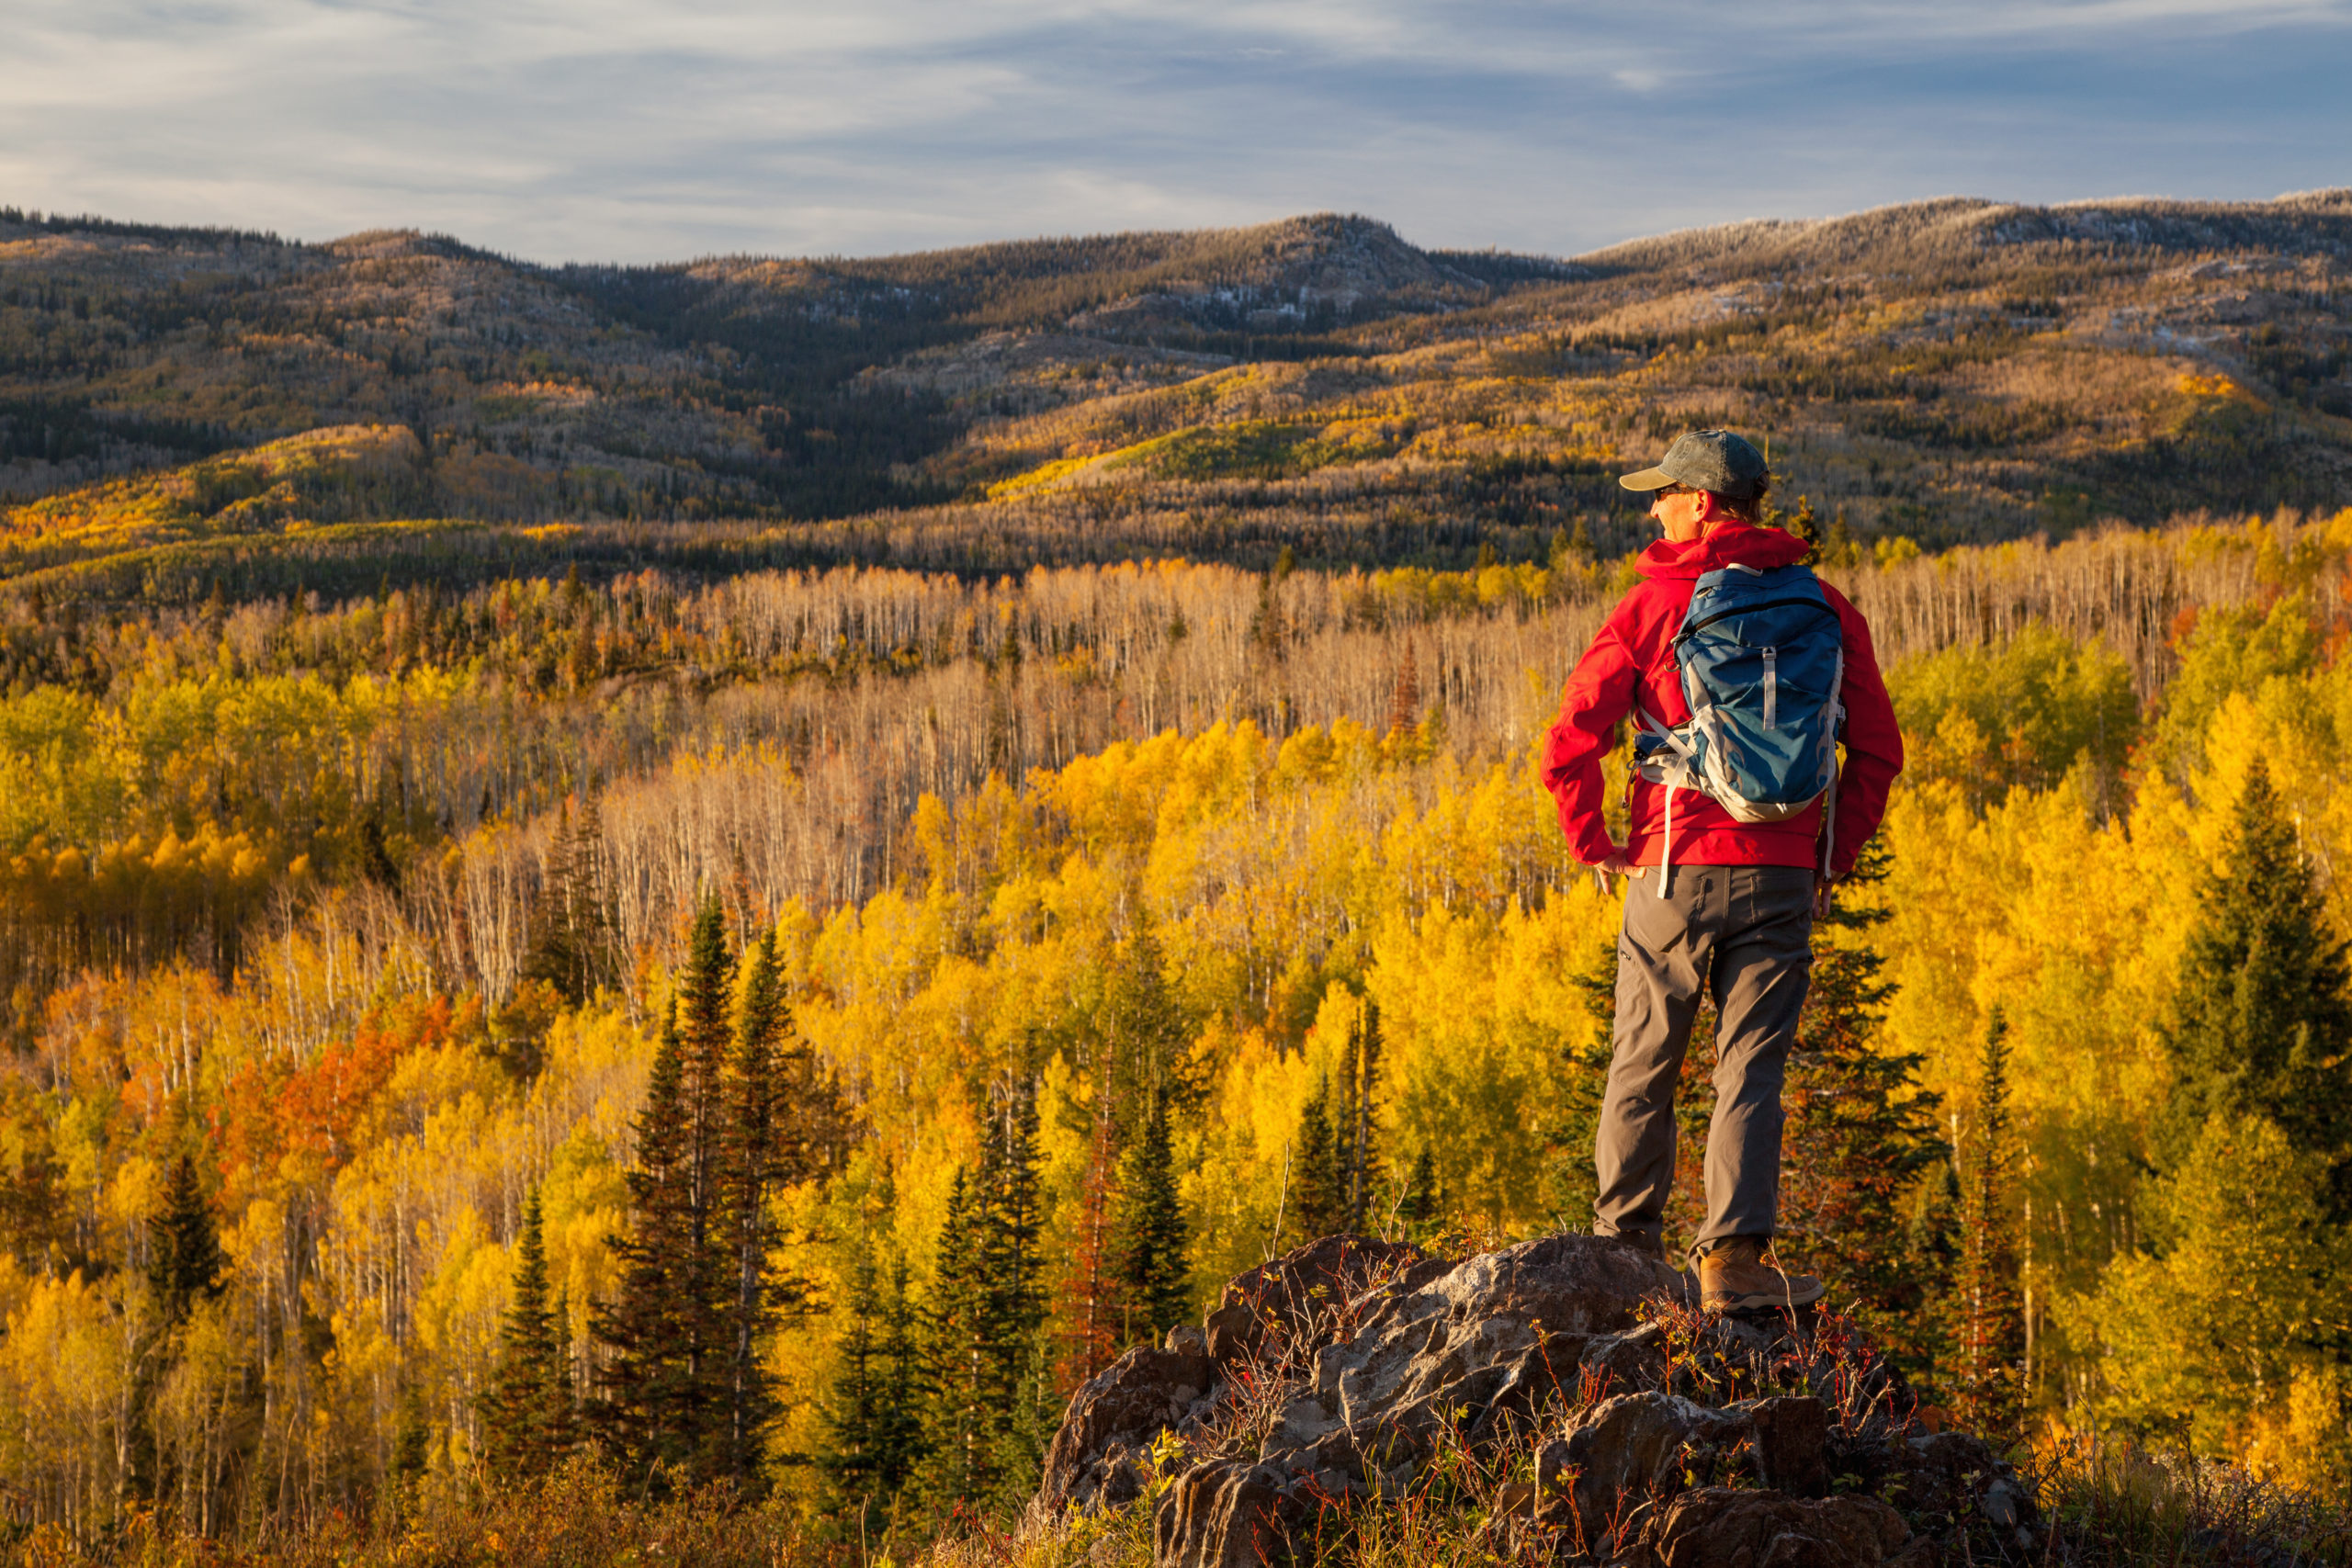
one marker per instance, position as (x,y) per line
(1666,846)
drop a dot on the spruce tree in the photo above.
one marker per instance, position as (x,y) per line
(751,1166)
(1317,1192)
(1584,1082)
(1153,1278)
(852,1459)
(663,1326)
(1931,1240)
(525,1411)
(991,1376)
(706,1040)
(702,1435)
(184,1261)
(1015,1215)
(734,1112)
(411,1441)
(1989,1333)
(640,1326)
(560,1417)
(185,1266)
(961,1343)
(1861,1135)
(1030,1414)
(901,1445)
(2260,1022)
(1017,1376)
(569,942)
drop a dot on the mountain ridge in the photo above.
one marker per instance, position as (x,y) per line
(1956,369)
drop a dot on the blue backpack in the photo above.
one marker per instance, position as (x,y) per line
(1762,661)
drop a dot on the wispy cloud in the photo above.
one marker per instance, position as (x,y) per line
(609,128)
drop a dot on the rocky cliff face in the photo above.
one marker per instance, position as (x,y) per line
(1567,1382)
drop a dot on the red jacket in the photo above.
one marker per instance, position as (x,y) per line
(1632,659)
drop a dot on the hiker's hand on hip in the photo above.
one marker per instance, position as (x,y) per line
(1823,892)
(1614,864)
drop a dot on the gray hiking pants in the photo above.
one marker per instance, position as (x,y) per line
(1742,935)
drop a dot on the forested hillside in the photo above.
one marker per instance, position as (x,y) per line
(1079,939)
(1949,371)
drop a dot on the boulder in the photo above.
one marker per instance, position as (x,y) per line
(1721,1526)
(1487,1341)
(1480,1348)
(1098,1457)
(1225,1515)
(1333,1376)
(1620,1452)
(1301,1298)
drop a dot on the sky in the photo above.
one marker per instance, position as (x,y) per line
(634,131)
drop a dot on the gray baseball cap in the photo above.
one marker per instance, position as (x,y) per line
(1706,459)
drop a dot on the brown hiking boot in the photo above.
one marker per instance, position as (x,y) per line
(1734,1276)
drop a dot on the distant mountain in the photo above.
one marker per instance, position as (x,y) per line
(1919,238)
(1944,370)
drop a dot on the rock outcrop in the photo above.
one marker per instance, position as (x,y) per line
(1345,1373)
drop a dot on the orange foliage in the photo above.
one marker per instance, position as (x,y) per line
(274,1116)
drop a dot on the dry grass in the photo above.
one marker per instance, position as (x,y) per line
(2104,1503)
(2113,1503)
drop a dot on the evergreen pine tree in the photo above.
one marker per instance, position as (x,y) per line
(991,1376)
(522,1411)
(412,1440)
(2260,1021)
(874,1423)
(1319,1196)
(185,1265)
(702,1431)
(1017,1375)
(1583,1084)
(569,942)
(852,1458)
(751,1166)
(1014,1216)
(1932,1240)
(731,1113)
(1988,1341)
(959,1335)
(1860,1135)
(901,1445)
(665,1402)
(640,1324)
(1030,1414)
(560,1418)
(1153,1276)
(185,1260)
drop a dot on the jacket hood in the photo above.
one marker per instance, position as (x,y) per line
(1734,544)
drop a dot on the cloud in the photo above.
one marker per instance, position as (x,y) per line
(607,129)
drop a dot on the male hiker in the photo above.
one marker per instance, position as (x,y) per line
(1740,672)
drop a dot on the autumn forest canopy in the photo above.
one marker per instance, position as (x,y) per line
(735,876)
